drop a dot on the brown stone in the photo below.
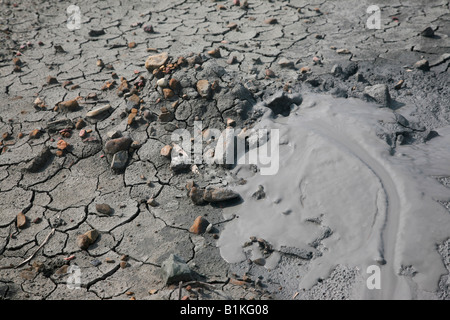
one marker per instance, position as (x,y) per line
(115,145)
(62,145)
(68,106)
(156,61)
(196,195)
(21,220)
(35,134)
(131,117)
(174,84)
(215,53)
(399,85)
(80,124)
(204,88)
(199,226)
(123,264)
(103,208)
(51,80)
(83,242)
(132,45)
(166,151)
(270,73)
(168,93)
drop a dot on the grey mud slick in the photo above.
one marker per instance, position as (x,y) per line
(335,173)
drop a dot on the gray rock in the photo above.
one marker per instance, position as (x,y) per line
(175,269)
(120,160)
(260,194)
(60,125)
(378,93)
(428,32)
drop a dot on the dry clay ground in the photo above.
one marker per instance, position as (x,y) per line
(53,174)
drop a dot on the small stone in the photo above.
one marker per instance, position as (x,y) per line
(109,260)
(96,262)
(119,160)
(103,208)
(174,269)
(21,220)
(204,88)
(232,26)
(51,80)
(428,32)
(156,61)
(343,51)
(260,261)
(62,145)
(35,134)
(80,124)
(166,151)
(399,85)
(305,69)
(236,2)
(422,65)
(124,257)
(270,73)
(83,242)
(221,7)
(214,194)
(132,45)
(168,93)
(174,84)
(96,33)
(115,145)
(148,28)
(92,235)
(162,82)
(6,136)
(199,226)
(98,111)
(131,117)
(100,63)
(82,133)
(231,122)
(215,53)
(271,21)
(123,264)
(114,134)
(68,106)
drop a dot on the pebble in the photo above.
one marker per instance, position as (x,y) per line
(166,151)
(80,124)
(270,73)
(35,134)
(86,239)
(343,51)
(123,264)
(199,226)
(62,145)
(422,65)
(21,220)
(214,194)
(162,82)
(232,26)
(113,134)
(168,93)
(115,145)
(204,88)
(166,115)
(180,159)
(68,106)
(156,61)
(215,53)
(98,111)
(82,133)
(100,63)
(96,262)
(103,208)
(51,80)
(399,85)
(148,28)
(196,195)
(119,160)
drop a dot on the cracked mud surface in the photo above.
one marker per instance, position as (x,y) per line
(59,194)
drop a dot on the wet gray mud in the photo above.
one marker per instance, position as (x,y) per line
(96,201)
